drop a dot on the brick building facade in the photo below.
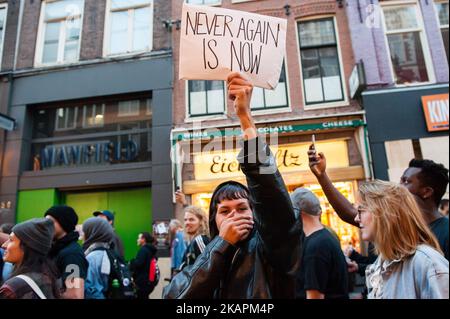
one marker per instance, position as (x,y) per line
(90,87)
(404,47)
(317,101)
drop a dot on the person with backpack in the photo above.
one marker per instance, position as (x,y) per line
(34,275)
(144,266)
(108,276)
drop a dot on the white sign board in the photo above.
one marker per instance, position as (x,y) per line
(7,123)
(215,42)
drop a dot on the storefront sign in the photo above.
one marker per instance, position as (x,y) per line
(82,154)
(436,112)
(7,122)
(290,158)
(357,80)
(280,129)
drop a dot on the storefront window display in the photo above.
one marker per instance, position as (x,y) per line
(92,133)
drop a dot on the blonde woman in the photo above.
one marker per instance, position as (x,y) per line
(410,263)
(196,229)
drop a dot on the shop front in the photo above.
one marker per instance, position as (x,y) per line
(85,154)
(406,123)
(342,142)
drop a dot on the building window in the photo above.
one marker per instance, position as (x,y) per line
(442,10)
(270,99)
(129,108)
(66,119)
(322,77)
(206,98)
(92,134)
(60,31)
(93,115)
(2,29)
(208,2)
(130,26)
(406,41)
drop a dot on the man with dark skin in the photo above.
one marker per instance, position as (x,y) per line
(424,179)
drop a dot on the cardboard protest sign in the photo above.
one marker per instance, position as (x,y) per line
(216,41)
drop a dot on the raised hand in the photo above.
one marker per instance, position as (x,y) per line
(317,162)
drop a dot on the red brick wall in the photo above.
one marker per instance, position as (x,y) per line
(299,9)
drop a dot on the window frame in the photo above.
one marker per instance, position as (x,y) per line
(86,125)
(441,27)
(108,25)
(2,43)
(265,110)
(423,39)
(129,114)
(331,104)
(217,3)
(205,115)
(39,55)
(66,128)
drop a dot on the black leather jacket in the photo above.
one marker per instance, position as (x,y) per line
(264,265)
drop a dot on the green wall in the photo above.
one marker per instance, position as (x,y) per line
(132,209)
(33,204)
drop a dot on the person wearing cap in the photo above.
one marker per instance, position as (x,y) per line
(67,253)
(27,248)
(255,236)
(323,273)
(117,243)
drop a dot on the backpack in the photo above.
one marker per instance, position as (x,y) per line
(154,273)
(120,284)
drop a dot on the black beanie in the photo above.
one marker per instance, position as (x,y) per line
(65,216)
(36,233)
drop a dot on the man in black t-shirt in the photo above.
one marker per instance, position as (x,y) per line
(323,273)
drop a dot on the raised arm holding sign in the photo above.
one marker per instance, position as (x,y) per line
(216,41)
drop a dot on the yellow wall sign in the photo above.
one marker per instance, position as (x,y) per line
(290,158)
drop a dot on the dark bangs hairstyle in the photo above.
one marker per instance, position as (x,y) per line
(226,191)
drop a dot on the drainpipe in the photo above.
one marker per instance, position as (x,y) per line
(19,30)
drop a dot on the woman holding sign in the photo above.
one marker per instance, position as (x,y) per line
(254,233)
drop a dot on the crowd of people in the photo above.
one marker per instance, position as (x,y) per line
(42,259)
(256,242)
(267,244)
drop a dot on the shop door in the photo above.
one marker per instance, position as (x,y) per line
(131,208)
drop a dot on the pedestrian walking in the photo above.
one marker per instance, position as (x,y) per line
(117,243)
(141,265)
(98,235)
(67,253)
